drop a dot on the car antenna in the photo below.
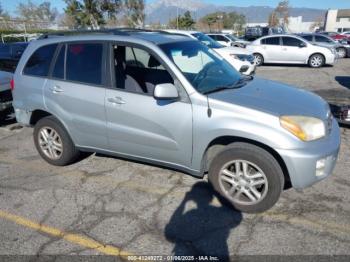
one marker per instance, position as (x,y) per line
(209,112)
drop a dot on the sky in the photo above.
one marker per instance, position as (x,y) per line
(10,5)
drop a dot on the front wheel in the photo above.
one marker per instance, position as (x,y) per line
(258,59)
(316,61)
(247,176)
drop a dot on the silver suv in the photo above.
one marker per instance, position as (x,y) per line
(170,100)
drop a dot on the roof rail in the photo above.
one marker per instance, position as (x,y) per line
(114,31)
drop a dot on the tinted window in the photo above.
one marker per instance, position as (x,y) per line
(84,63)
(291,41)
(39,63)
(58,70)
(222,38)
(307,37)
(271,41)
(322,39)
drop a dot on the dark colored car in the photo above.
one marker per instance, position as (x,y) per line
(342,114)
(255,32)
(10,53)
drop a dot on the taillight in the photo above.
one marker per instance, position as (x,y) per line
(12,84)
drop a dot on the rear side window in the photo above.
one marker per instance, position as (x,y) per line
(307,37)
(58,70)
(291,41)
(84,63)
(271,41)
(39,63)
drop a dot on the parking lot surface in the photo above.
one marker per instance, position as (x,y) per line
(108,206)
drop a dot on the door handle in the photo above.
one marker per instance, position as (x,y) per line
(116,100)
(56,89)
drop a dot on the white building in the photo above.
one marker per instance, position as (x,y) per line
(296,25)
(337,20)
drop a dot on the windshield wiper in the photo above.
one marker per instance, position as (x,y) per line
(240,83)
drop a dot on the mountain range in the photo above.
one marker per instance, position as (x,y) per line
(163,10)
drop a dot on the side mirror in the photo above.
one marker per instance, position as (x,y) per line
(302,44)
(165,92)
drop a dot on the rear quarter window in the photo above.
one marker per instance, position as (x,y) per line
(39,63)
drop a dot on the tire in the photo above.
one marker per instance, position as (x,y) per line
(341,52)
(316,61)
(60,149)
(258,59)
(261,166)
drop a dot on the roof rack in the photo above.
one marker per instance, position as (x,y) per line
(114,31)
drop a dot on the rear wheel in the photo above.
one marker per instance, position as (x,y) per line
(258,59)
(54,143)
(316,61)
(341,52)
(247,176)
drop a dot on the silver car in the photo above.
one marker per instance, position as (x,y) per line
(290,49)
(343,50)
(130,94)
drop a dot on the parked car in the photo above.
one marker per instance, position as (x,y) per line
(9,57)
(130,94)
(290,49)
(239,58)
(342,114)
(255,32)
(10,53)
(5,93)
(336,36)
(343,50)
(228,40)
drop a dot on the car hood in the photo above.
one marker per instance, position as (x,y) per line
(232,50)
(274,98)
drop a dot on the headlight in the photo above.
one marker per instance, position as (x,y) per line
(304,127)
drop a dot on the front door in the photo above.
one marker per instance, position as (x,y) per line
(137,123)
(293,50)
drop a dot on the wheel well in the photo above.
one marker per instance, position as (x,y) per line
(219,143)
(37,115)
(324,58)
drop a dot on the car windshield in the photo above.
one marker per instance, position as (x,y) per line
(202,66)
(233,38)
(208,41)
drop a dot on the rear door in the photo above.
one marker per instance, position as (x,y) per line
(75,91)
(272,48)
(137,123)
(293,51)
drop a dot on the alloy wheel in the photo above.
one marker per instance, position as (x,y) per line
(243,182)
(50,143)
(316,61)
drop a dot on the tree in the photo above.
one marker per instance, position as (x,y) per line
(279,17)
(233,20)
(210,19)
(184,21)
(33,12)
(135,12)
(90,13)
(273,19)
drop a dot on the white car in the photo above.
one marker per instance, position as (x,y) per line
(228,39)
(239,58)
(290,49)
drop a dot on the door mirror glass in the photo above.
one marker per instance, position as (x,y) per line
(165,92)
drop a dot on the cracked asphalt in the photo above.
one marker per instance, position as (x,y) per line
(104,205)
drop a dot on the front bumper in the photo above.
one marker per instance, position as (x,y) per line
(301,163)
